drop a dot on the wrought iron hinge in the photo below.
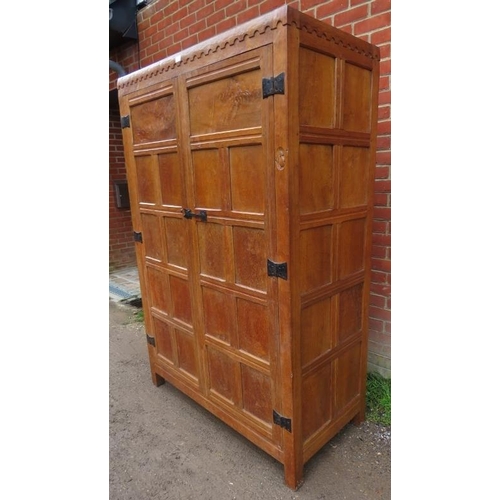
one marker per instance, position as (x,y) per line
(280,270)
(151,340)
(273,85)
(286,423)
(137,236)
(125,121)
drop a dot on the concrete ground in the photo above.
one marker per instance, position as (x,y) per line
(163,445)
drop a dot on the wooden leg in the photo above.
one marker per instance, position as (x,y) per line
(294,476)
(359,418)
(157,380)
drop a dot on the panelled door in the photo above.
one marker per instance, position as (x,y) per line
(207,210)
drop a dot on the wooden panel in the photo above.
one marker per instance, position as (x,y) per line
(316,400)
(186,353)
(151,237)
(351,247)
(177,241)
(317,88)
(147,174)
(226,104)
(248,181)
(354,176)
(250,257)
(181,300)
(315,178)
(357,98)
(208,176)
(316,331)
(164,340)
(315,257)
(154,120)
(257,396)
(347,382)
(253,328)
(223,375)
(219,314)
(158,289)
(170,179)
(211,255)
(350,312)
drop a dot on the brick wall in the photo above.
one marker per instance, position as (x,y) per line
(168,26)
(121,244)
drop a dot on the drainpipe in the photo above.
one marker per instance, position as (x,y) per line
(116,67)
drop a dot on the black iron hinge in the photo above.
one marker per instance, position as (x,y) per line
(273,85)
(280,270)
(137,236)
(125,121)
(286,423)
(151,340)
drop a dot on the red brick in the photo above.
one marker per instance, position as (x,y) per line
(379,313)
(381,213)
(181,35)
(196,5)
(381,36)
(383,158)
(383,186)
(381,239)
(379,227)
(377,300)
(384,83)
(232,10)
(189,42)
(383,143)
(346,29)
(222,4)
(197,27)
(384,112)
(379,337)
(187,21)
(205,11)
(385,51)
(375,325)
(331,8)
(180,14)
(378,6)
(225,25)
(385,67)
(206,34)
(380,199)
(379,252)
(372,23)
(351,15)
(357,2)
(269,5)
(248,14)
(379,278)
(215,18)
(387,328)
(382,172)
(384,128)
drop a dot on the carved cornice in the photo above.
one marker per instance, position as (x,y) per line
(283,17)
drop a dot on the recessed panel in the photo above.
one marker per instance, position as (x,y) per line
(177,241)
(151,237)
(170,179)
(352,247)
(316,330)
(315,257)
(354,170)
(154,120)
(250,261)
(223,374)
(147,173)
(347,379)
(253,328)
(350,312)
(357,98)
(316,400)
(316,89)
(181,300)
(226,104)
(257,397)
(248,179)
(186,353)
(158,289)
(211,250)
(163,338)
(315,178)
(218,310)
(208,177)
